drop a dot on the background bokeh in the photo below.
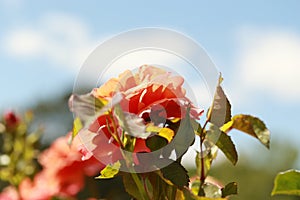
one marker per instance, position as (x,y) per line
(255,44)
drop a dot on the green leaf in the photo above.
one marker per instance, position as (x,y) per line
(159,185)
(109,171)
(184,136)
(152,128)
(287,183)
(166,133)
(223,142)
(196,126)
(135,186)
(131,187)
(77,126)
(156,142)
(229,189)
(86,106)
(176,173)
(220,110)
(252,126)
(227,127)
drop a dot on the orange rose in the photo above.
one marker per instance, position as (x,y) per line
(149,87)
(151,95)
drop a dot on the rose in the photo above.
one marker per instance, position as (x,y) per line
(150,86)
(11,120)
(150,96)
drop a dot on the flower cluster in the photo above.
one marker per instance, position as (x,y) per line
(133,104)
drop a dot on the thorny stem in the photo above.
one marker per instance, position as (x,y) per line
(139,185)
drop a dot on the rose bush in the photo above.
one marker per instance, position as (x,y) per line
(137,113)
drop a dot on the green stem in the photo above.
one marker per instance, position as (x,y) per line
(202,175)
(140,186)
(136,178)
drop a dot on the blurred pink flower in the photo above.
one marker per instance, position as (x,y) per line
(63,172)
(9,193)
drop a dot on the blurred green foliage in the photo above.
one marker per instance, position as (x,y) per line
(19,148)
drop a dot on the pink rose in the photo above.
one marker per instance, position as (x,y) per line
(63,172)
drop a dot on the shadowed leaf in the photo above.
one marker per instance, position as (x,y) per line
(176,173)
(156,142)
(184,136)
(223,142)
(131,187)
(229,189)
(85,106)
(220,110)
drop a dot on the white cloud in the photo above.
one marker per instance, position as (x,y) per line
(61,39)
(269,62)
(65,41)
(24,42)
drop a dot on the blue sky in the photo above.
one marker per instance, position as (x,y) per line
(255,44)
